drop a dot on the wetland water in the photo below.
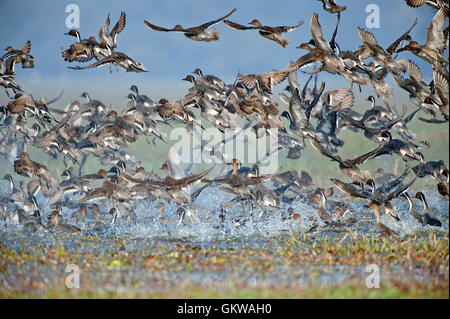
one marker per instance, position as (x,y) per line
(145,253)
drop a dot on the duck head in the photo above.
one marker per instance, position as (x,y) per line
(198,72)
(255,22)
(103,174)
(304,46)
(189,78)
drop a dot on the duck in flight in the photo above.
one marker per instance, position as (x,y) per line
(198,33)
(271,33)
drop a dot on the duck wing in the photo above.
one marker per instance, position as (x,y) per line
(237,26)
(120,25)
(317,35)
(393,47)
(95,65)
(157,28)
(210,23)
(26,48)
(435,39)
(188,180)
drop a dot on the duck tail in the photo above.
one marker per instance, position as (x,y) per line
(424,144)
(215,35)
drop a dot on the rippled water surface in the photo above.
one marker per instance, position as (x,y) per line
(145,235)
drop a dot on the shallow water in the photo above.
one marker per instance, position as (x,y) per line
(205,225)
(257,235)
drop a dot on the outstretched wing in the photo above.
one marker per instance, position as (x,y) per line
(94,65)
(191,179)
(317,34)
(391,49)
(210,23)
(26,48)
(157,28)
(285,28)
(317,146)
(120,25)
(237,26)
(400,190)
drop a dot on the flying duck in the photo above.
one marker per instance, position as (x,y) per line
(198,33)
(271,33)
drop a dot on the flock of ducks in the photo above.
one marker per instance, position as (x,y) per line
(90,128)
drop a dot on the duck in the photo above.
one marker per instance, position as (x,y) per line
(175,186)
(271,33)
(323,53)
(349,166)
(384,177)
(123,130)
(109,190)
(331,6)
(80,51)
(432,50)
(213,116)
(406,150)
(26,167)
(7,82)
(117,58)
(263,82)
(198,33)
(17,194)
(436,4)
(334,208)
(72,184)
(428,217)
(108,38)
(441,86)
(178,111)
(81,213)
(244,171)
(239,185)
(35,186)
(383,196)
(342,98)
(298,120)
(32,221)
(22,104)
(208,79)
(377,73)
(7,70)
(429,168)
(379,54)
(125,179)
(412,208)
(141,99)
(98,225)
(320,200)
(381,228)
(25,49)
(263,195)
(54,222)
(149,192)
(419,92)
(375,113)
(442,185)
